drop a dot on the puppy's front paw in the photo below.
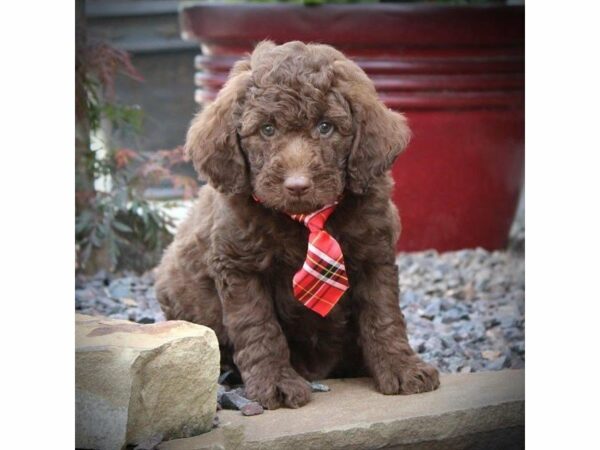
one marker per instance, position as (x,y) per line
(286,389)
(410,378)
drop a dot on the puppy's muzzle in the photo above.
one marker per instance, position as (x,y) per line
(297,185)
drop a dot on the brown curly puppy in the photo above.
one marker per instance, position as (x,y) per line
(298,126)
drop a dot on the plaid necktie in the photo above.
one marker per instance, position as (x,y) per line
(322,280)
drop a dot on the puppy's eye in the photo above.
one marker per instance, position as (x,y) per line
(267,130)
(325,128)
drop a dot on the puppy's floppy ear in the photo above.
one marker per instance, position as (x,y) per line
(381,134)
(212,141)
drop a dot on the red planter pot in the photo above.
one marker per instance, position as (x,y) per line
(456,72)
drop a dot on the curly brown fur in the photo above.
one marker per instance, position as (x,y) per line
(232,261)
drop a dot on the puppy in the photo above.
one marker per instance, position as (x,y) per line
(296,128)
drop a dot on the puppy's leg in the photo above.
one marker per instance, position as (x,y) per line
(192,296)
(261,351)
(394,366)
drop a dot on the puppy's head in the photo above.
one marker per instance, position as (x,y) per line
(296,125)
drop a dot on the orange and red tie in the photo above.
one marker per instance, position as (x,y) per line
(322,280)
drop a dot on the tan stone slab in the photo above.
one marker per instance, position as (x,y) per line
(135,382)
(354,416)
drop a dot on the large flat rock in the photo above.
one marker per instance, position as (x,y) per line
(138,382)
(482,410)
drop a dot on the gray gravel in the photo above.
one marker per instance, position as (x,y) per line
(120,296)
(464,310)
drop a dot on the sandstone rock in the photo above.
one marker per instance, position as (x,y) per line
(134,381)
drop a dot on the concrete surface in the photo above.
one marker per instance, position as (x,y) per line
(482,410)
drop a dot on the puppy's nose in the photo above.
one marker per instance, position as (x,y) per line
(297,185)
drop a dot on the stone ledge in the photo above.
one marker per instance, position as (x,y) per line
(478,410)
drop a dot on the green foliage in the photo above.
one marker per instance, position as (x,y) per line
(129,229)
(117,227)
